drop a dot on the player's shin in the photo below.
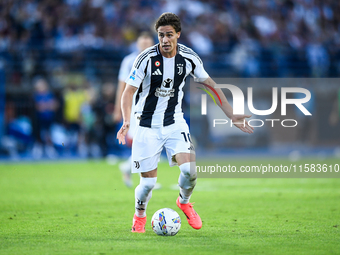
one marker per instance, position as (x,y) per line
(143,193)
(187,181)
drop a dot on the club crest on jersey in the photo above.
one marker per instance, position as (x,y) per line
(166,89)
(157,63)
(180,69)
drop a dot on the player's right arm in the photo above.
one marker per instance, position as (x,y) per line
(124,71)
(117,114)
(126,104)
(133,82)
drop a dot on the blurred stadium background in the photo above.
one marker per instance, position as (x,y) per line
(59,62)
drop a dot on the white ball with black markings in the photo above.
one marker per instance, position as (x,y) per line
(166,222)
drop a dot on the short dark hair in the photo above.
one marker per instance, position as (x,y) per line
(167,19)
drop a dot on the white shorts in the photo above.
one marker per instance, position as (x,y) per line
(148,144)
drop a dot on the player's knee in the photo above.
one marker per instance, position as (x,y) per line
(189,170)
(147,184)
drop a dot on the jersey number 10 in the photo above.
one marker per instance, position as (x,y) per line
(185,137)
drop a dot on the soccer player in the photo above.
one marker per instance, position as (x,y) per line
(144,41)
(159,74)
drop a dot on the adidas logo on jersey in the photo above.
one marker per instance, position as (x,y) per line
(157,72)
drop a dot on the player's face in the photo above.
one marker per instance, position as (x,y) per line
(167,37)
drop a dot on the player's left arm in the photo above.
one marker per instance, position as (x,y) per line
(202,76)
(238,120)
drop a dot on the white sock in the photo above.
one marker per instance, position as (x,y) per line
(187,181)
(143,194)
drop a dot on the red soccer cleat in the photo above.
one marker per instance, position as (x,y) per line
(193,218)
(138,224)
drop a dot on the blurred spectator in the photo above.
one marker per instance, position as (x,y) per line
(143,42)
(105,129)
(45,107)
(213,28)
(318,58)
(89,144)
(74,98)
(55,39)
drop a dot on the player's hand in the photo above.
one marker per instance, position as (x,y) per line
(241,122)
(122,132)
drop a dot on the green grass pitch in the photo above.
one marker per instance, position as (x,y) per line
(84,208)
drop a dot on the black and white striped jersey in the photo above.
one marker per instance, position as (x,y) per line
(160,84)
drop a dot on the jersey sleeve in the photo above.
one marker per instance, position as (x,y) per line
(198,71)
(137,73)
(125,69)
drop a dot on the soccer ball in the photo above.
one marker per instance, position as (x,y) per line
(166,222)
